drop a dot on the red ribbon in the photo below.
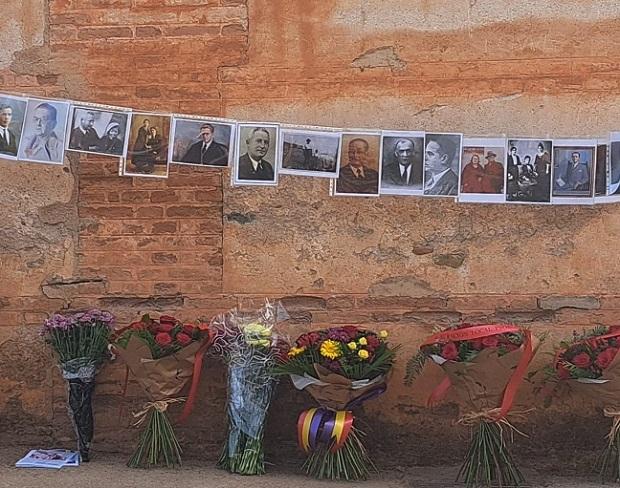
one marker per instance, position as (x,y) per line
(478,332)
(198,358)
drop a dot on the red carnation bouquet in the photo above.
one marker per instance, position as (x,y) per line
(588,365)
(163,354)
(486,365)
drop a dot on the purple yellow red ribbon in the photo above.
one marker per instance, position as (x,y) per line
(322,426)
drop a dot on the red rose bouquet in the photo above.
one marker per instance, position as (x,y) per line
(486,365)
(341,368)
(588,365)
(163,354)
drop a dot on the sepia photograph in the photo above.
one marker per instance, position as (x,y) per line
(442,156)
(98,131)
(359,157)
(573,171)
(202,142)
(402,161)
(257,152)
(309,152)
(528,170)
(148,146)
(482,170)
(43,137)
(12,113)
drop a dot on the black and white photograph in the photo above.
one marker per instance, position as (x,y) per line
(528,170)
(402,163)
(257,153)
(98,131)
(45,127)
(613,183)
(309,152)
(601,173)
(12,113)
(482,172)
(147,155)
(202,141)
(359,158)
(442,157)
(573,171)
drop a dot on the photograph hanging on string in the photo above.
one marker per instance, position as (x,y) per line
(613,183)
(601,169)
(359,174)
(442,159)
(43,137)
(309,152)
(402,163)
(573,171)
(98,131)
(528,170)
(202,141)
(257,152)
(12,113)
(483,170)
(147,155)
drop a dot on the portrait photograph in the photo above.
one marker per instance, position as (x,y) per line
(360,171)
(98,131)
(402,163)
(147,154)
(202,142)
(43,137)
(483,168)
(613,184)
(257,153)
(442,156)
(307,152)
(573,171)
(601,169)
(528,170)
(12,113)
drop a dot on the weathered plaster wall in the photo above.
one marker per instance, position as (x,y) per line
(80,235)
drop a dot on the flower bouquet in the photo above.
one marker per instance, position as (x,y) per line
(250,348)
(80,343)
(341,368)
(589,366)
(486,364)
(163,354)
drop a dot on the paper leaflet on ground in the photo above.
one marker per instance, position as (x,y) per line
(49,458)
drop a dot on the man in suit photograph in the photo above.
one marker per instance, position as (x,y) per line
(402,171)
(8,140)
(440,179)
(357,176)
(252,166)
(206,150)
(84,137)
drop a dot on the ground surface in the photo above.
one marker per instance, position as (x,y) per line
(109,471)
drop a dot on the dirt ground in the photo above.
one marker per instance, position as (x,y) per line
(109,471)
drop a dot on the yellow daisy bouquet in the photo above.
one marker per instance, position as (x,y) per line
(341,368)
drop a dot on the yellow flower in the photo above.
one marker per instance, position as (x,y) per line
(295,351)
(363,353)
(383,334)
(331,349)
(352,346)
(363,341)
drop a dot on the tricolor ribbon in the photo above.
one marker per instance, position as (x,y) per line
(479,332)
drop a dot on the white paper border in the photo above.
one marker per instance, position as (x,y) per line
(484,197)
(567,143)
(126,157)
(459,150)
(235,180)
(301,129)
(352,132)
(401,191)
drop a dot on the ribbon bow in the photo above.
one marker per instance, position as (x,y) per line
(159,405)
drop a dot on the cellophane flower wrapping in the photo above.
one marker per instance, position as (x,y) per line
(80,342)
(249,347)
(587,366)
(484,365)
(341,368)
(162,355)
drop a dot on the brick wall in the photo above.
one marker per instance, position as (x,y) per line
(82,236)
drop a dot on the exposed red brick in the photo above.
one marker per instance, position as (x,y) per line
(87,33)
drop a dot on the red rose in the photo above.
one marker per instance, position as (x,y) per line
(490,341)
(165,327)
(184,339)
(351,330)
(582,360)
(563,373)
(163,339)
(314,337)
(189,329)
(605,358)
(373,341)
(167,319)
(450,351)
(137,325)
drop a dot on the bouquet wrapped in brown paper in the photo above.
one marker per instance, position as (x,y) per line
(341,368)
(486,365)
(588,366)
(163,355)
